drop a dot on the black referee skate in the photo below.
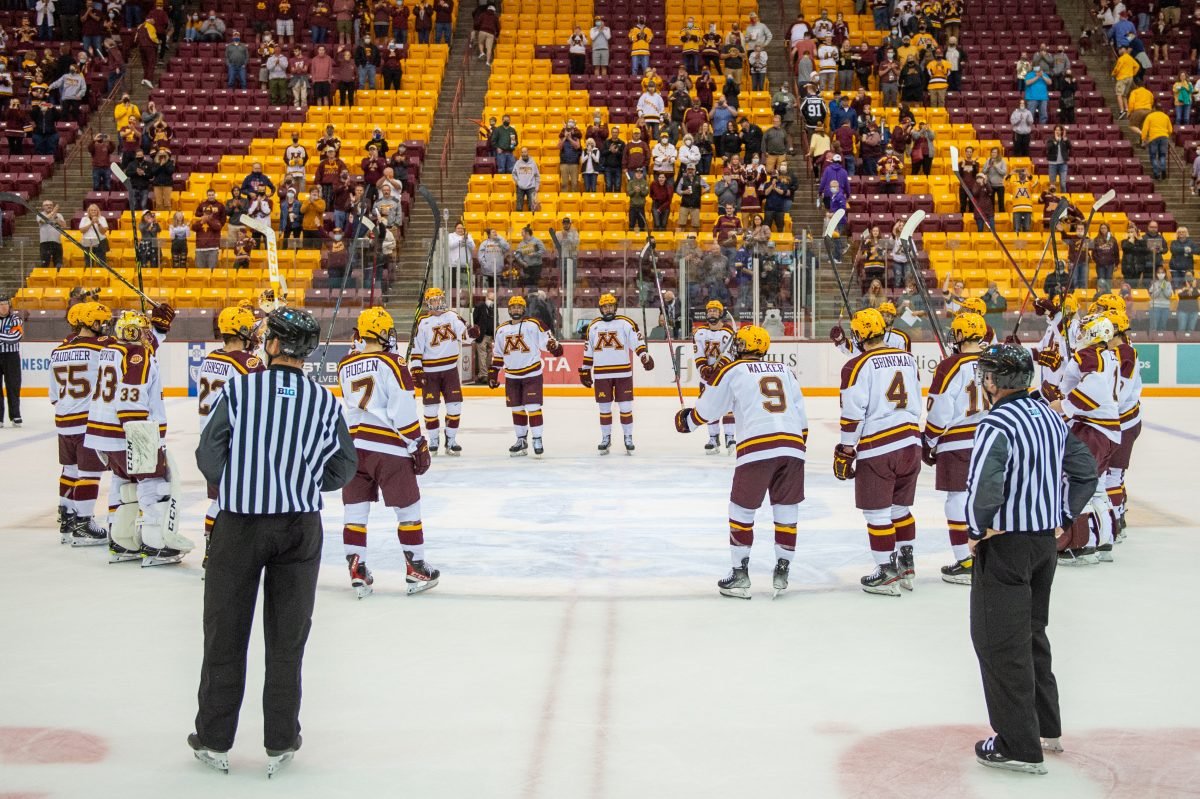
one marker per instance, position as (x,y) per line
(209,757)
(987,755)
(885,580)
(737,584)
(518,449)
(538,449)
(361,579)
(65,517)
(906,567)
(420,577)
(1081,556)
(605,444)
(278,758)
(629,448)
(780,579)
(713,447)
(85,533)
(958,573)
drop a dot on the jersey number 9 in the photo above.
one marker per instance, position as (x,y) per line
(772,389)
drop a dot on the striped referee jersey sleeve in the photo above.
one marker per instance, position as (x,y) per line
(986,479)
(340,468)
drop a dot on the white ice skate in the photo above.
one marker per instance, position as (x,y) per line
(538,449)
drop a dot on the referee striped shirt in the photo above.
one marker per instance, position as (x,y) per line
(274,441)
(11,332)
(1015,483)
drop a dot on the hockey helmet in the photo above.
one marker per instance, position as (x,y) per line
(608,299)
(296,330)
(236,321)
(1070,305)
(1010,365)
(1107,302)
(714,306)
(131,326)
(95,316)
(376,324)
(1095,330)
(887,309)
(867,325)
(752,341)
(968,326)
(516,306)
(435,299)
(73,315)
(973,305)
(1119,319)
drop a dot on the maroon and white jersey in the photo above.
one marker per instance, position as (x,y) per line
(128,388)
(709,345)
(381,408)
(217,369)
(896,339)
(1129,394)
(438,343)
(956,404)
(765,398)
(881,402)
(1091,387)
(73,366)
(517,347)
(610,346)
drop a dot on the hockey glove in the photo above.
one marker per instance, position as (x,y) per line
(1050,393)
(554,348)
(161,317)
(843,462)
(1043,307)
(421,457)
(681,420)
(928,453)
(1051,359)
(837,336)
(707,373)
(493,378)
(473,332)
(1011,339)
(418,376)
(585,377)
(647,362)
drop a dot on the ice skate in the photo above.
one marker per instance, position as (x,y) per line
(65,517)
(906,567)
(120,554)
(605,444)
(1083,556)
(958,573)
(277,758)
(730,445)
(780,579)
(884,581)
(1120,534)
(209,757)
(986,754)
(85,532)
(629,445)
(420,577)
(518,449)
(712,447)
(16,422)
(433,444)
(538,449)
(1104,553)
(737,584)
(361,578)
(453,447)
(164,556)
(1052,745)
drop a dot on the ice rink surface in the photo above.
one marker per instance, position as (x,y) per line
(577,647)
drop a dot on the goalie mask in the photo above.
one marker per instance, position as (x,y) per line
(516,308)
(608,307)
(435,300)
(376,325)
(268,300)
(714,311)
(132,327)
(1094,330)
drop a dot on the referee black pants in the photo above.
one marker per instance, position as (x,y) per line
(1010,607)
(288,548)
(10,384)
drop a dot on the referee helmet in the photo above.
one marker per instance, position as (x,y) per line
(1010,365)
(296,330)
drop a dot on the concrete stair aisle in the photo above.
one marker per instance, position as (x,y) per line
(1175,190)
(450,191)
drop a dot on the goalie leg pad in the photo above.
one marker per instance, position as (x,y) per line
(142,445)
(122,525)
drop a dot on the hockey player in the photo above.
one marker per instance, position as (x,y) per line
(1053,352)
(127,425)
(881,409)
(772,431)
(236,326)
(1091,390)
(517,349)
(955,406)
(977,306)
(436,350)
(608,368)
(381,411)
(893,338)
(73,365)
(711,350)
(1129,408)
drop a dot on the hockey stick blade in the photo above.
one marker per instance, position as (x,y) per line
(1103,200)
(118,173)
(262,227)
(953,159)
(834,222)
(911,225)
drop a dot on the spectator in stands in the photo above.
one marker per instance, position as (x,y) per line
(295,157)
(162,179)
(1182,257)
(486,27)
(663,157)
(1156,137)
(527,179)
(691,188)
(17,125)
(1106,252)
(277,76)
(343,201)
(995,305)
(291,218)
(637,188)
(91,25)
(570,152)
(566,241)
(577,52)
(1058,156)
(983,208)
(423,21)
(147,39)
(1183,93)
(1186,307)
(1037,93)
(256,180)
(259,208)
(321,73)
(492,254)
(503,140)
(213,29)
(1021,121)
(590,164)
(237,55)
(312,212)
(343,15)
(393,67)
(147,251)
(460,252)
(1124,71)
(1160,300)
(49,235)
(387,209)
(443,18)
(372,169)
(529,255)
(140,171)
(235,206)
(101,149)
(93,235)
(612,159)
(45,19)
(243,245)
(650,107)
(1135,258)
(367,60)
(72,88)
(662,191)
(640,37)
(345,75)
(178,230)
(389,174)
(328,173)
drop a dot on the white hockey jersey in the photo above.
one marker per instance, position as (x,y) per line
(709,345)
(73,367)
(1129,394)
(128,388)
(438,343)
(765,398)
(517,347)
(381,409)
(217,369)
(1055,339)
(609,344)
(956,404)
(893,338)
(1091,387)
(881,402)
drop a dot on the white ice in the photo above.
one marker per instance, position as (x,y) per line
(577,646)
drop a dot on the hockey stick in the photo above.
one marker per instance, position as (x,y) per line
(1101,201)
(1056,216)
(362,226)
(827,238)
(9,197)
(910,250)
(263,227)
(427,195)
(123,178)
(651,252)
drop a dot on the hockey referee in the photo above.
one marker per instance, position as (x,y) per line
(274,441)
(1017,503)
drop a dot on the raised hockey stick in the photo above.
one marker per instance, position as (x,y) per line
(827,239)
(1056,216)
(427,195)
(1101,201)
(9,197)
(651,252)
(362,226)
(906,234)
(123,178)
(263,227)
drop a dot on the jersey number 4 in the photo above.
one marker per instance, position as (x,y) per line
(896,393)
